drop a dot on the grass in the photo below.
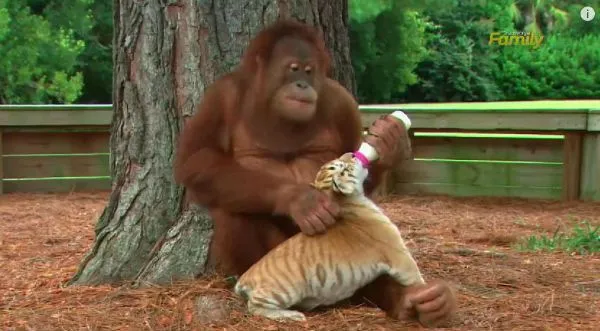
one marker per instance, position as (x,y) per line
(583,239)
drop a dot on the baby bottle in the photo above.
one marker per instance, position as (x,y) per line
(366,153)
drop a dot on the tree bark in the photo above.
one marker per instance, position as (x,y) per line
(166,52)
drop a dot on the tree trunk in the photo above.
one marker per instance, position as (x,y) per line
(166,52)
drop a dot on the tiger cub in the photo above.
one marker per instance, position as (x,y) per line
(305,272)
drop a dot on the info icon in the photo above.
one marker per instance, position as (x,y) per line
(587,13)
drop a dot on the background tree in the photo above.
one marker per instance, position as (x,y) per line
(540,16)
(388,40)
(37,58)
(165,56)
(459,65)
(402,51)
(91,22)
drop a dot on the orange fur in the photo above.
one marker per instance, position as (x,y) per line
(305,272)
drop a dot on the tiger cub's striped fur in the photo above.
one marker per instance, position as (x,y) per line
(305,272)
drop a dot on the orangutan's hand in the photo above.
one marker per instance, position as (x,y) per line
(312,210)
(390,139)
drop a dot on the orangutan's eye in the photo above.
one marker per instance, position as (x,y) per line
(294,66)
(308,69)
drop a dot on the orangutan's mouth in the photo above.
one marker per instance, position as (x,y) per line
(301,101)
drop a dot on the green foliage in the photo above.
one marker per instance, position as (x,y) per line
(97,64)
(562,68)
(52,51)
(540,16)
(362,11)
(38,59)
(584,239)
(386,50)
(367,10)
(576,26)
(90,21)
(458,68)
(460,64)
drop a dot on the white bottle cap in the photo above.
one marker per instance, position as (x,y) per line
(402,116)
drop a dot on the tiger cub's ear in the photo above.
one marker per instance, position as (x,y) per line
(347,157)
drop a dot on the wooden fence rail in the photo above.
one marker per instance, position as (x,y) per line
(545,149)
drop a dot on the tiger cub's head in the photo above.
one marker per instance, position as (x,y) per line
(342,175)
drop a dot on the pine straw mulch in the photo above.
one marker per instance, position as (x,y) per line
(465,241)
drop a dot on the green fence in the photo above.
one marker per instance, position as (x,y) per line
(541,149)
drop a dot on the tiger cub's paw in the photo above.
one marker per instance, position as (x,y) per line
(292,315)
(281,314)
